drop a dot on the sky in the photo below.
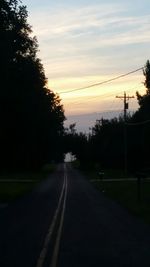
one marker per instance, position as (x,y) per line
(84,42)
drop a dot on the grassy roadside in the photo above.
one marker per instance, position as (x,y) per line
(9,191)
(108,174)
(15,185)
(124,192)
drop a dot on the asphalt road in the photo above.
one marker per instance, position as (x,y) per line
(65,222)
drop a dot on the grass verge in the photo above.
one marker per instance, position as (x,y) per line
(108,174)
(9,191)
(126,193)
(15,185)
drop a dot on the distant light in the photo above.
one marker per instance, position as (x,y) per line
(69,157)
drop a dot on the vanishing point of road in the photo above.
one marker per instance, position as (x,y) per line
(66,222)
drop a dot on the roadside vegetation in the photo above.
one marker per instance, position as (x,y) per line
(10,191)
(119,148)
(123,188)
(118,144)
(31,114)
(17,184)
(126,194)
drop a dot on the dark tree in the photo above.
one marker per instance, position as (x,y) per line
(140,146)
(77,143)
(31,115)
(144,100)
(106,143)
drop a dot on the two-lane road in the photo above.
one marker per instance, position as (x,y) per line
(66,222)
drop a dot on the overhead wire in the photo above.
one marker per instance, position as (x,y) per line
(116,106)
(137,123)
(105,95)
(108,95)
(101,96)
(101,83)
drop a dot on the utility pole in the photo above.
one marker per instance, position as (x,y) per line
(126,106)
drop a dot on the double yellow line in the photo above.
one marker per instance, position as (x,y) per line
(61,203)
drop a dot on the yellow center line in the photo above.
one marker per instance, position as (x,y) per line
(58,238)
(51,228)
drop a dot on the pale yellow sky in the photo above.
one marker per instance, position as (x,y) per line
(98,98)
(89,41)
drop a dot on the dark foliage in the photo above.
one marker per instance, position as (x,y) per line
(107,143)
(112,139)
(141,119)
(31,116)
(77,143)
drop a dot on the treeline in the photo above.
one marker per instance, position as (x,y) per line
(31,115)
(115,143)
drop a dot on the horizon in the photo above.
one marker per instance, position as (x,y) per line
(85,122)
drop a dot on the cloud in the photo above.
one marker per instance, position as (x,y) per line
(82,44)
(74,38)
(65,20)
(72,23)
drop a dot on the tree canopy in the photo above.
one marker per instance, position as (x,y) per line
(111,139)
(31,115)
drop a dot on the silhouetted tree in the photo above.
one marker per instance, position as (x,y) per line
(106,143)
(31,116)
(141,125)
(77,143)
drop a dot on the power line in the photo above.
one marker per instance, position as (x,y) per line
(100,83)
(86,99)
(138,123)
